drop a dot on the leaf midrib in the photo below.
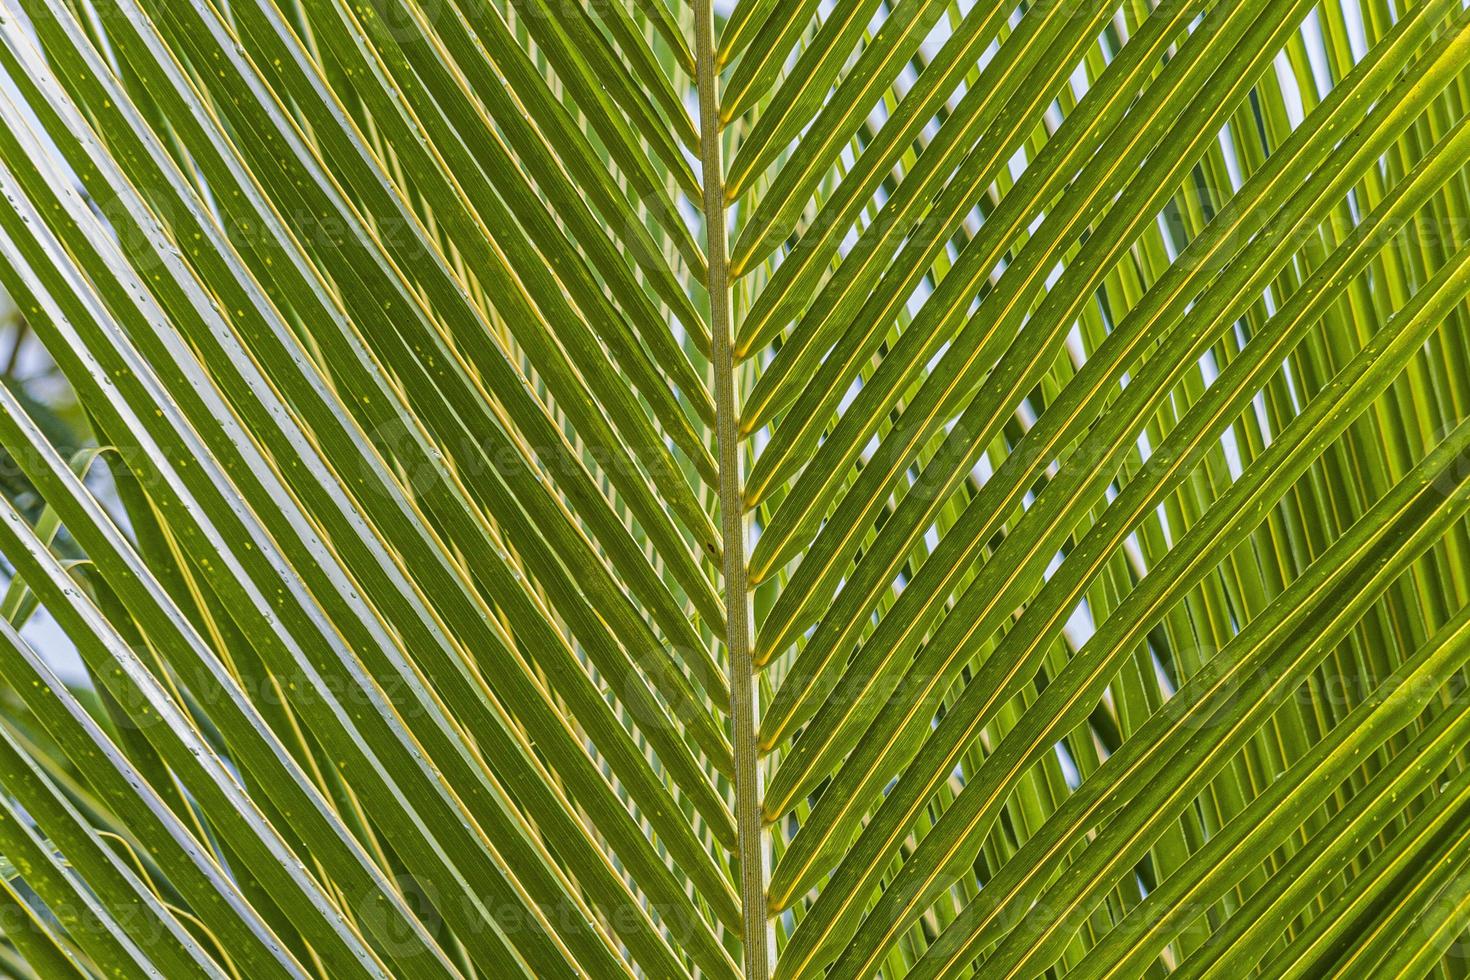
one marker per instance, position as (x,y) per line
(756,938)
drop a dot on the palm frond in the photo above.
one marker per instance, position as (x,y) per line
(645,488)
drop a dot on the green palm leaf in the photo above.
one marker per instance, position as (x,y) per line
(645,488)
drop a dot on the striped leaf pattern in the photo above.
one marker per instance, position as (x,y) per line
(772,489)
